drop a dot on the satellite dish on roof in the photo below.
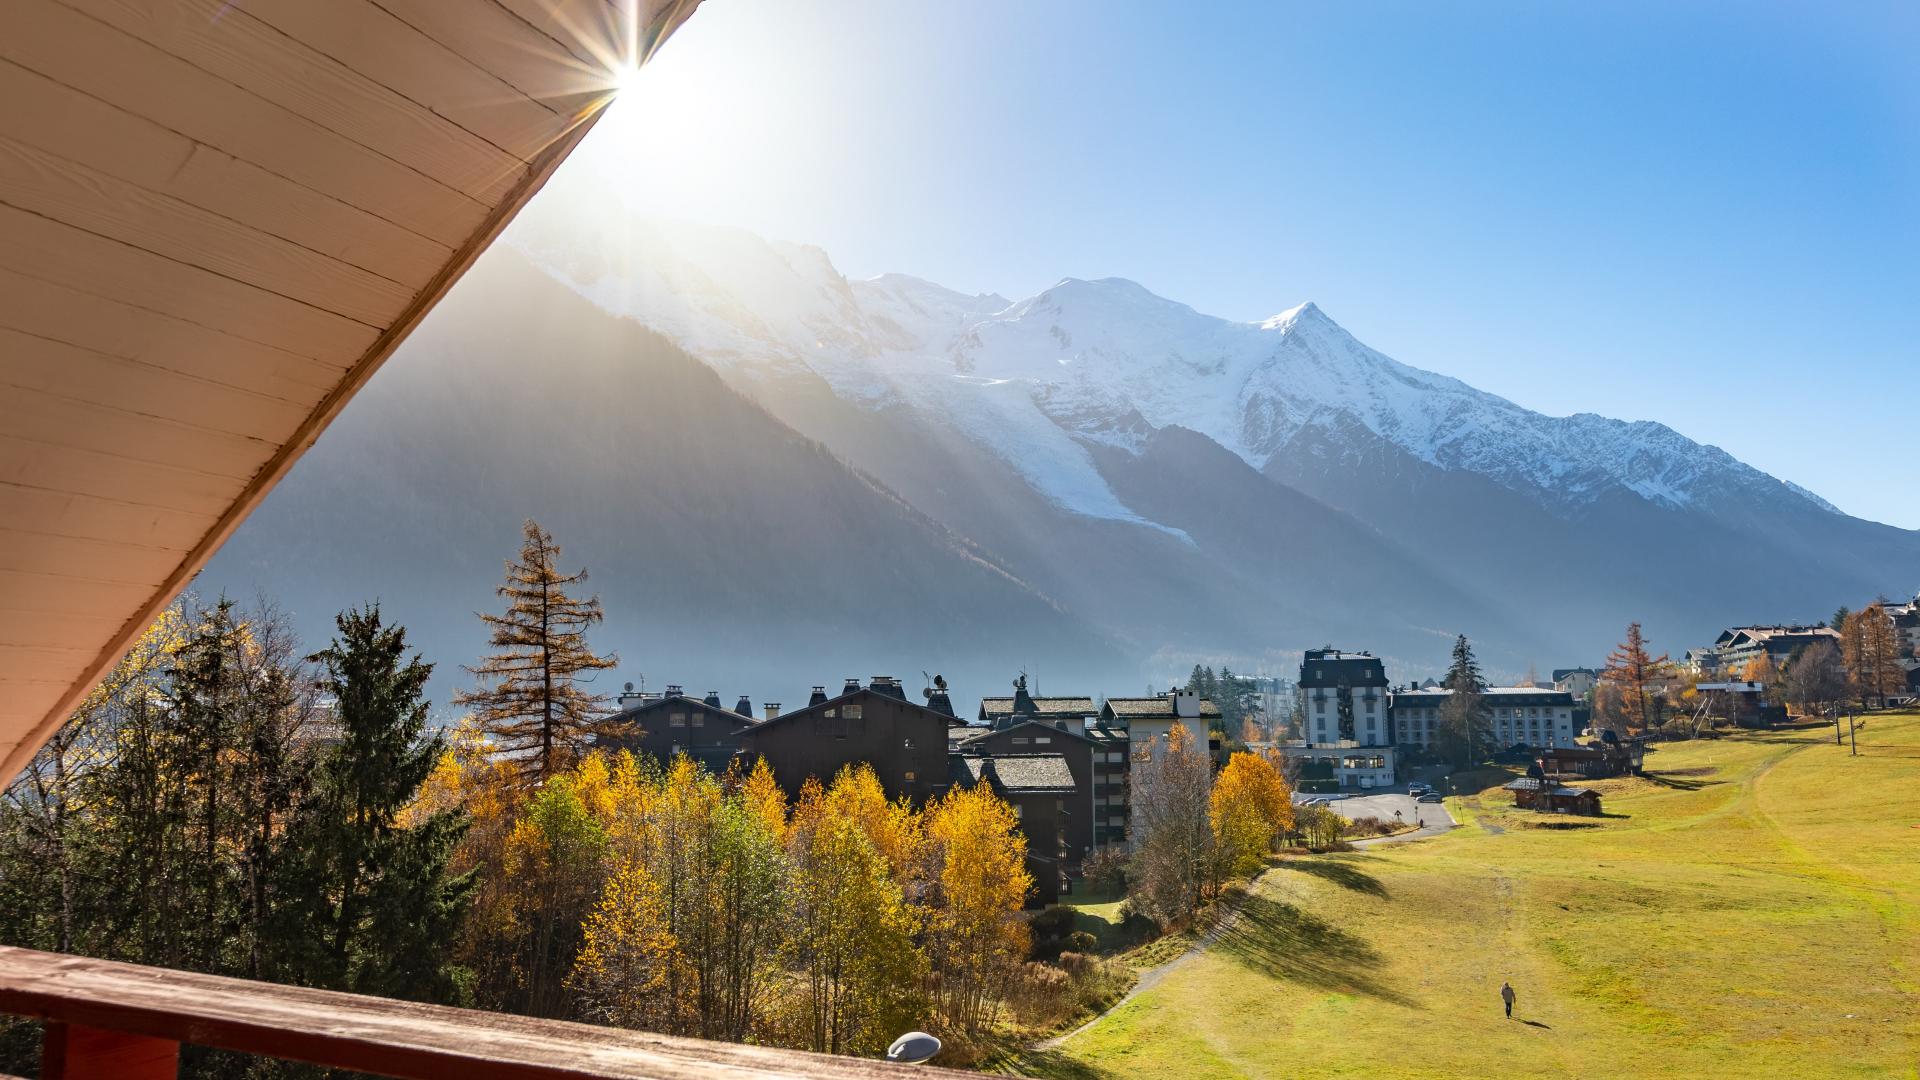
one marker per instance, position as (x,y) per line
(629,688)
(913,1048)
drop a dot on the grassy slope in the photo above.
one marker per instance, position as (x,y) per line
(1752,909)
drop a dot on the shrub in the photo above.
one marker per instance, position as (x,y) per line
(1368,826)
(1080,941)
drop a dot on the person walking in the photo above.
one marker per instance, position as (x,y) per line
(1507,995)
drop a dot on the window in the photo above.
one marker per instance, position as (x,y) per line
(699,719)
(853,712)
(909,777)
(1042,740)
(906,744)
(1016,812)
(678,719)
(1019,740)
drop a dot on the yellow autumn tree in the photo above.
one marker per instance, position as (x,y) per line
(976,937)
(628,957)
(1250,809)
(853,940)
(893,827)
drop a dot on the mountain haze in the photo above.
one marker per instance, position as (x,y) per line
(782,477)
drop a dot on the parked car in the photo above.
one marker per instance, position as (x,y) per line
(1417,790)
(1431,796)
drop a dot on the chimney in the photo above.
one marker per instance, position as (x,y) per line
(712,699)
(938,701)
(852,685)
(888,685)
(673,690)
(818,696)
(1186,703)
(745,707)
(1022,704)
(771,710)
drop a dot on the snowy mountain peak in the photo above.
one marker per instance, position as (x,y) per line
(1105,362)
(1309,311)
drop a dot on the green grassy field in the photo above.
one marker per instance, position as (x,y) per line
(1751,908)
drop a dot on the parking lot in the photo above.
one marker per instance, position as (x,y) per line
(1383,806)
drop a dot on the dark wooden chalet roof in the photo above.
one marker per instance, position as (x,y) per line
(864,693)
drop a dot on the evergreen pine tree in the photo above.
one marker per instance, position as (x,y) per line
(366,900)
(530,701)
(1464,734)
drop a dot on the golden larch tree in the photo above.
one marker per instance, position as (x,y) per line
(1637,674)
(530,700)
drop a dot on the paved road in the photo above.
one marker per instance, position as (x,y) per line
(1433,817)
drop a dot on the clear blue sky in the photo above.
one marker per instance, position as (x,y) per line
(1707,215)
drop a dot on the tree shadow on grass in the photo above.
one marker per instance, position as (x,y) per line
(1282,941)
(1678,782)
(1338,870)
(1052,1065)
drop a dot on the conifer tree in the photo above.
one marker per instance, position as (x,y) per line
(530,700)
(367,901)
(1871,650)
(1636,672)
(1464,733)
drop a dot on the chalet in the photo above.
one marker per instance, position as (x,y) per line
(663,725)
(1592,761)
(905,741)
(1546,796)
(1038,787)
(1027,725)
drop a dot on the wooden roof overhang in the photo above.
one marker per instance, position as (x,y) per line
(217,218)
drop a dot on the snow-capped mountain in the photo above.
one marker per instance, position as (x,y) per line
(1196,486)
(1108,362)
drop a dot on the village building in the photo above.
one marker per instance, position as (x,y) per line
(1578,681)
(1038,787)
(1517,716)
(905,741)
(1347,720)
(1022,726)
(1547,796)
(665,724)
(1127,735)
(1739,647)
(1596,760)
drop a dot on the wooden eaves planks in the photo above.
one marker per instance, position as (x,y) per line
(216,220)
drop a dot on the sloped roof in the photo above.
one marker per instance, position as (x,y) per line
(218,219)
(1152,708)
(1014,774)
(1042,706)
(975,733)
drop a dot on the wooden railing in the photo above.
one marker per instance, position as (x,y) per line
(127,1022)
